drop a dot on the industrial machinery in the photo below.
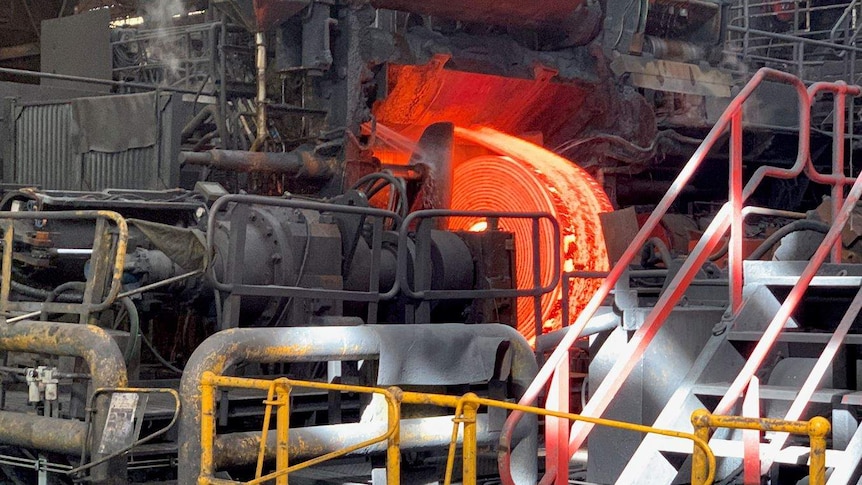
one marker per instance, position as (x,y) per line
(246,239)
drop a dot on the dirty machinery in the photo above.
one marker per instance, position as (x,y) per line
(366,225)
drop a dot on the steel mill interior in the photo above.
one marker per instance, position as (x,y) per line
(389,242)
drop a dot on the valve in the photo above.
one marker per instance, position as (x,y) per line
(42,383)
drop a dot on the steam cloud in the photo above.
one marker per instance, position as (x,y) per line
(159,15)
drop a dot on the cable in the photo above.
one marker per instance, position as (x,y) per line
(158,356)
(373,188)
(42,295)
(56,292)
(772,240)
(133,346)
(129,448)
(301,272)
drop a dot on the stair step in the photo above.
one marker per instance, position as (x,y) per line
(818,281)
(773,393)
(852,399)
(786,273)
(793,337)
(791,455)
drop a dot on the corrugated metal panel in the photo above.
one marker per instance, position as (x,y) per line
(43,151)
(136,168)
(46,155)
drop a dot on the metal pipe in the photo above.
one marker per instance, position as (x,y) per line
(64,436)
(599,323)
(93,344)
(106,365)
(260,62)
(238,449)
(302,163)
(316,344)
(673,49)
(91,80)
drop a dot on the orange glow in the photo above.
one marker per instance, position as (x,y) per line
(528,178)
(479,227)
(494,171)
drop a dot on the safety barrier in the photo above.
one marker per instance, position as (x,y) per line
(466,410)
(816,428)
(108,257)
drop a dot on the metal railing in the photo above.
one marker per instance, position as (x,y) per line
(466,411)
(412,278)
(816,428)
(729,217)
(796,37)
(108,259)
(280,389)
(420,287)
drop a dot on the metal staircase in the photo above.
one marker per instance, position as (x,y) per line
(724,357)
(729,362)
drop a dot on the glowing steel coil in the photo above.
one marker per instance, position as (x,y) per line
(528,178)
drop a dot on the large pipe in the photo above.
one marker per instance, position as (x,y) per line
(237,449)
(91,343)
(107,369)
(315,344)
(300,163)
(64,436)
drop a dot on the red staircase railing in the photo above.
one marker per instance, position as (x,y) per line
(561,442)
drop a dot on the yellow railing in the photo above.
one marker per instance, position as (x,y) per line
(280,388)
(466,409)
(816,428)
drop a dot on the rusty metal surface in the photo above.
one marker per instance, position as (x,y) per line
(553,14)
(261,15)
(299,344)
(427,94)
(300,163)
(42,433)
(107,369)
(109,254)
(93,344)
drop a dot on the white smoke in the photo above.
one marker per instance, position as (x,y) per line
(165,49)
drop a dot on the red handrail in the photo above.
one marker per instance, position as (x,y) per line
(729,215)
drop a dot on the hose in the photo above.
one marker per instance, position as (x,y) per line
(133,346)
(372,189)
(803,225)
(56,293)
(158,356)
(42,295)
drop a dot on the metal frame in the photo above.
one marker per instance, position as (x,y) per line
(106,244)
